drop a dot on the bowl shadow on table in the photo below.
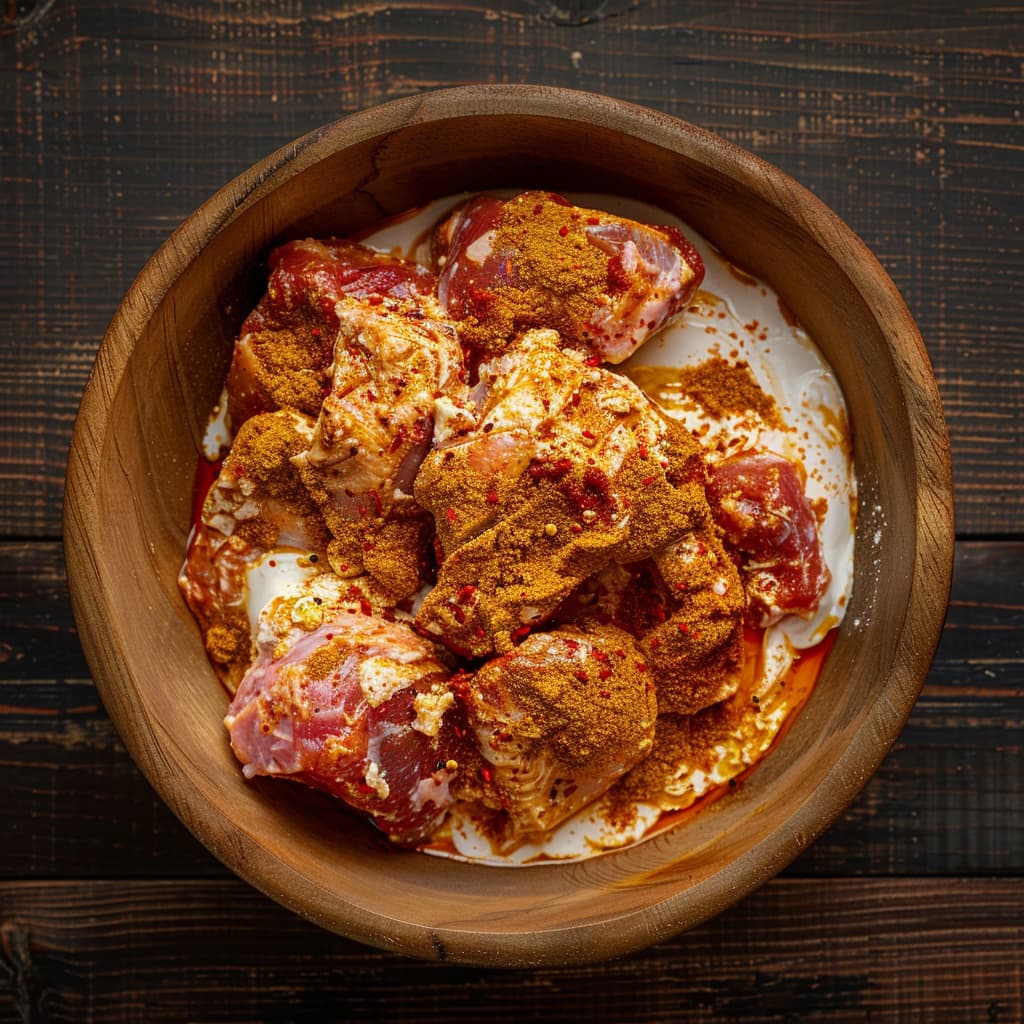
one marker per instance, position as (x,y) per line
(138,437)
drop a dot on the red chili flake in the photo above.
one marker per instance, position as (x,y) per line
(601,657)
(684,628)
(375,300)
(605,693)
(580,675)
(589,434)
(681,586)
(647,481)
(459,614)
(398,440)
(376,501)
(605,673)
(520,634)
(593,220)
(617,277)
(450,515)
(563,231)
(642,451)
(315,331)
(537,210)
(329,636)
(550,469)
(572,646)
(620,652)
(592,361)
(367,546)
(574,399)
(576,528)
(272,563)
(466,594)
(655,643)
(486,775)
(365,607)
(641,667)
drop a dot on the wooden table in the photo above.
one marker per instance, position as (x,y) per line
(908,119)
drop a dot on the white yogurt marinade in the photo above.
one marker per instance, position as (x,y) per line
(739,319)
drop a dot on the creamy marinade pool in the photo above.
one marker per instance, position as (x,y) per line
(739,375)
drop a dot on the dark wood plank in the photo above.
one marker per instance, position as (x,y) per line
(836,951)
(948,799)
(906,119)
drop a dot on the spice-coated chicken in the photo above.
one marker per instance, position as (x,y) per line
(569,468)
(286,344)
(605,283)
(256,504)
(558,721)
(360,708)
(395,373)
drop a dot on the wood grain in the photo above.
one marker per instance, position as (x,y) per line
(847,952)
(126,117)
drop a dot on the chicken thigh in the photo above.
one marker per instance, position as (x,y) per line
(360,708)
(605,283)
(558,720)
(394,375)
(286,344)
(256,504)
(568,469)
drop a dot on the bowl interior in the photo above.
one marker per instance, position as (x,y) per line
(137,441)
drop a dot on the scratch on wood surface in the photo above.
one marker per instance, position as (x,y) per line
(18,970)
(24,15)
(586,12)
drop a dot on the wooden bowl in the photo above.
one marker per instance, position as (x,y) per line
(137,440)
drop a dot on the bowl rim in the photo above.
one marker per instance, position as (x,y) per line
(847,775)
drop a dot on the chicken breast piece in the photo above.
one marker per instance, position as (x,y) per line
(558,720)
(285,348)
(605,283)
(361,709)
(392,370)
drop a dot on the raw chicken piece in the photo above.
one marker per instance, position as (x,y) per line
(394,375)
(605,283)
(360,708)
(559,720)
(684,605)
(760,503)
(286,344)
(256,504)
(569,468)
